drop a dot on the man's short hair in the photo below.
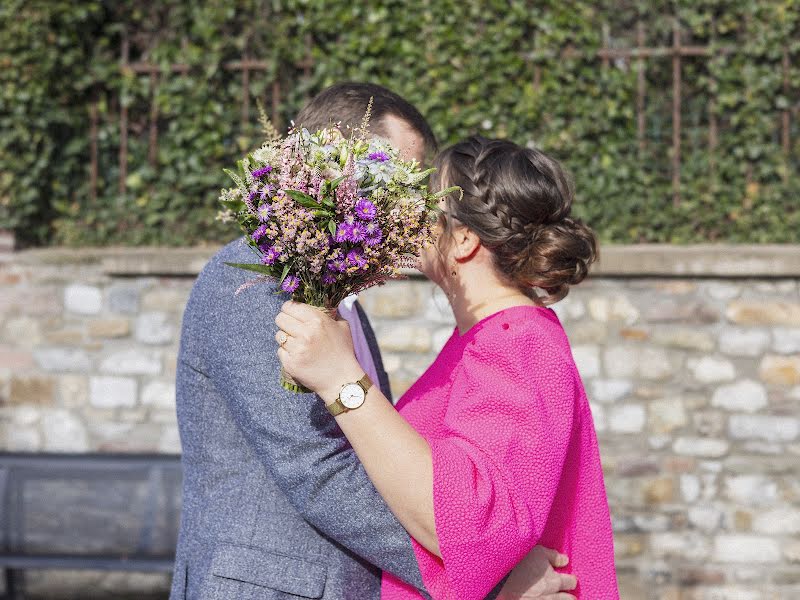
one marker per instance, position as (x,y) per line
(345,104)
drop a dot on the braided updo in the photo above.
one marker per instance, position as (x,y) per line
(517,201)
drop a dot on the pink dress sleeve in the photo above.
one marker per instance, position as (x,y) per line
(496,469)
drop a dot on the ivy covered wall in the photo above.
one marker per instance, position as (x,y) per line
(525,70)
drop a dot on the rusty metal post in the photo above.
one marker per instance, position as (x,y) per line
(676,113)
(93,154)
(123,118)
(640,89)
(152,152)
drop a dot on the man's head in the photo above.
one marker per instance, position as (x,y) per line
(392,117)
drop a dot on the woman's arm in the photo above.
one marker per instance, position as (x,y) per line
(319,353)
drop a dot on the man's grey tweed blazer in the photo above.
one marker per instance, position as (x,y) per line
(275,501)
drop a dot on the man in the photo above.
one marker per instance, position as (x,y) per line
(275,501)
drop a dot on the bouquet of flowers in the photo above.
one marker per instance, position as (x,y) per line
(327,215)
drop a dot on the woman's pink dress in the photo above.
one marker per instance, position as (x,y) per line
(515,460)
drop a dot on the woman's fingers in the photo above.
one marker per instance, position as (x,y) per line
(555,558)
(289,324)
(568,582)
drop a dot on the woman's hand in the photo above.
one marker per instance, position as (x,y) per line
(315,349)
(536,577)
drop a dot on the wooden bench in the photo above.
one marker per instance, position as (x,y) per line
(87,511)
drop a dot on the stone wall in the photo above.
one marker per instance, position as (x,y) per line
(690,356)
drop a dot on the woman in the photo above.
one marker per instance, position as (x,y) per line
(493,449)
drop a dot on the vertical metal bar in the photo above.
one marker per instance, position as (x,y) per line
(276,102)
(152,154)
(712,111)
(676,113)
(640,88)
(606,36)
(786,141)
(245,86)
(93,161)
(123,118)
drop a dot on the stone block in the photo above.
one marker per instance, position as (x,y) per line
(73,391)
(23,332)
(62,360)
(112,392)
(17,438)
(83,299)
(780,370)
(712,369)
(32,390)
(666,415)
(109,328)
(683,545)
(154,328)
(587,359)
(764,427)
(745,395)
(751,490)
(132,362)
(624,362)
(690,487)
(166,299)
(405,338)
(686,339)
(610,390)
(701,447)
(397,299)
(748,549)
(617,308)
(721,290)
(705,518)
(778,521)
(159,395)
(440,338)
(786,340)
(170,440)
(63,432)
(587,332)
(626,418)
(751,312)
(599,417)
(123,299)
(673,310)
(569,309)
(658,491)
(735,341)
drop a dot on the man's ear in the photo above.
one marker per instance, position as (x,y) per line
(467,243)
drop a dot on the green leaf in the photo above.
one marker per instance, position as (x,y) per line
(302,199)
(332,227)
(284,274)
(263,269)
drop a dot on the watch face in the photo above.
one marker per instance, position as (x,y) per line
(352,395)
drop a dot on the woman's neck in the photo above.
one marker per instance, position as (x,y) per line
(472,304)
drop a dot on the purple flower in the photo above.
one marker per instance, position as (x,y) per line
(381,156)
(365,209)
(374,235)
(343,232)
(264,211)
(290,284)
(338,265)
(268,191)
(261,172)
(357,232)
(329,278)
(356,258)
(259,233)
(270,256)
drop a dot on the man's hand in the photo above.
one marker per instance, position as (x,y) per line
(535,577)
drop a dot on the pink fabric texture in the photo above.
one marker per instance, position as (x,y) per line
(515,460)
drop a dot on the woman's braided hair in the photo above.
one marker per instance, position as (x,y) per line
(518,200)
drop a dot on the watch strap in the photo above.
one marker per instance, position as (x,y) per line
(336,408)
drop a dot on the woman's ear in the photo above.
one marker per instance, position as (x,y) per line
(467,243)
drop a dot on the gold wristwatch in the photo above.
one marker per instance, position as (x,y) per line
(351,396)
